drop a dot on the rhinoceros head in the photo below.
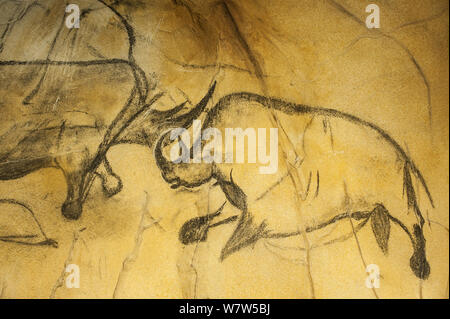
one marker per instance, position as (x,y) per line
(182,174)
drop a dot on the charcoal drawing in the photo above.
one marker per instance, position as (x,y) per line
(85,134)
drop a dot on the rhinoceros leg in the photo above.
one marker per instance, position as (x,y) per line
(111,182)
(247,232)
(73,205)
(74,167)
(79,178)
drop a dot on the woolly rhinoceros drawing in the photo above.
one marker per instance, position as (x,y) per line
(360,181)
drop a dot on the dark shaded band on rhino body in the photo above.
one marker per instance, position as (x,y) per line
(17,169)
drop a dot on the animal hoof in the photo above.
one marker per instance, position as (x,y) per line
(111,186)
(420,265)
(71,210)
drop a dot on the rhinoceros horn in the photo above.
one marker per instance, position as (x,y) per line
(183,121)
